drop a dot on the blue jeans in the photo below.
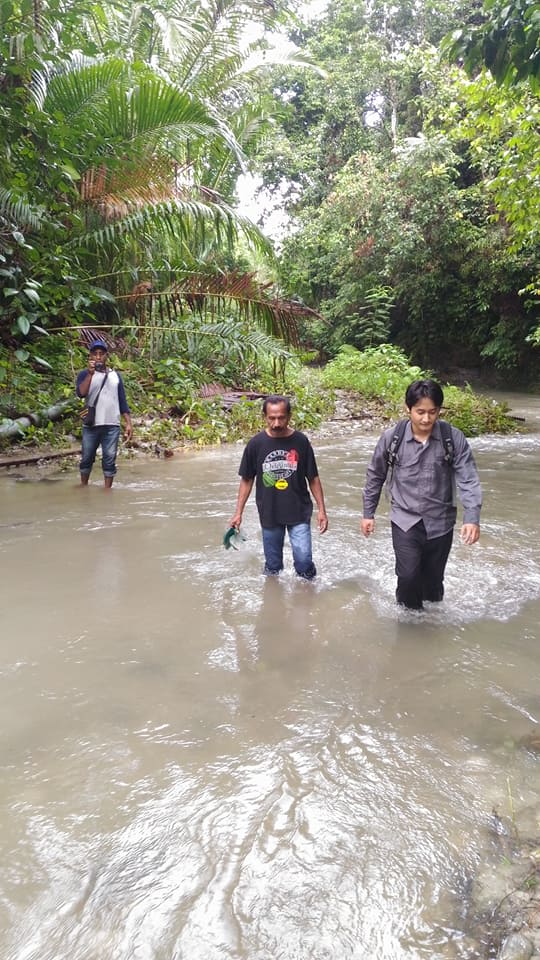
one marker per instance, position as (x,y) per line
(92,437)
(300,540)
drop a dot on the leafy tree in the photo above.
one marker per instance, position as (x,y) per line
(120,159)
(388,194)
(506,42)
(500,51)
(410,228)
(365,99)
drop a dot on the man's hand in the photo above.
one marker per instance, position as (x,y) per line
(244,491)
(128,428)
(322,522)
(469,533)
(367,526)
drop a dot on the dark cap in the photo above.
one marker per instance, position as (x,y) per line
(98,345)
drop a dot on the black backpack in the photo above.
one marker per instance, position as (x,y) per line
(391,453)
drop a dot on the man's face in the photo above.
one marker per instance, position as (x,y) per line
(99,356)
(277,419)
(423,417)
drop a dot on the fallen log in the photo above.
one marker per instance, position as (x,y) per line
(17,459)
(18,427)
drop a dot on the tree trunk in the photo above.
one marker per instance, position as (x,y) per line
(17,428)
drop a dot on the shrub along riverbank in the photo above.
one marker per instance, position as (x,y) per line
(176,403)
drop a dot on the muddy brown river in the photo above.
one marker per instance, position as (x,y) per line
(201,764)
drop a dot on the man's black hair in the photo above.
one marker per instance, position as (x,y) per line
(420,389)
(276,398)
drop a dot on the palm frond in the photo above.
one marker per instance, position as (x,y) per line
(216,295)
(244,342)
(279,57)
(18,211)
(186,220)
(80,87)
(212,299)
(128,110)
(176,217)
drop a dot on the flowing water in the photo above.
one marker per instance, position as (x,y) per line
(201,764)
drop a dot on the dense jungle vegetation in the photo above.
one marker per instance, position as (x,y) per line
(399,143)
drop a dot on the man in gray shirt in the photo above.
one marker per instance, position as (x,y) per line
(421,487)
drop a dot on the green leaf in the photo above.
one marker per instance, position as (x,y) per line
(105,294)
(22,355)
(31,294)
(42,362)
(23,324)
(70,171)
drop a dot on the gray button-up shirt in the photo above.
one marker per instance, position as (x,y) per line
(422,483)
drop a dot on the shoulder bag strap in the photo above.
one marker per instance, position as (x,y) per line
(94,402)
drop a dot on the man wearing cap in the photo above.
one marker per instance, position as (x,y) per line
(104,388)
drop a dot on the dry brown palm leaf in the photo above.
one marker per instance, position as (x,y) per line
(116,195)
(212,295)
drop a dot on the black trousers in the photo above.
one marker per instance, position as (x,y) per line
(420,565)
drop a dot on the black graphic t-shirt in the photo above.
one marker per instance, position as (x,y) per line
(281,467)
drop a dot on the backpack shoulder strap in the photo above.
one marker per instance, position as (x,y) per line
(448,443)
(391,453)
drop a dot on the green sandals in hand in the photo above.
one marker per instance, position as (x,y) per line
(232,538)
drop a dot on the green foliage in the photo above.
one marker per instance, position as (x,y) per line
(122,156)
(36,377)
(379,372)
(385,373)
(500,125)
(475,414)
(506,42)
(360,314)
(410,235)
(391,189)
(175,381)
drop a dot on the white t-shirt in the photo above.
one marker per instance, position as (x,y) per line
(108,407)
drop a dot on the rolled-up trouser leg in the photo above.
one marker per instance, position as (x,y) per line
(90,442)
(110,436)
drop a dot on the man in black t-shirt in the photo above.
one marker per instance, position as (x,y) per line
(282,462)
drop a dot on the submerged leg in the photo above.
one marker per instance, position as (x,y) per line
(434,559)
(273,538)
(300,538)
(408,546)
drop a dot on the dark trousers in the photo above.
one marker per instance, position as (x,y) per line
(420,565)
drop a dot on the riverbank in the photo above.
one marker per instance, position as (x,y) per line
(366,387)
(350,412)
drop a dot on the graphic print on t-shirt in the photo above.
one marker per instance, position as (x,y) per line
(278,466)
